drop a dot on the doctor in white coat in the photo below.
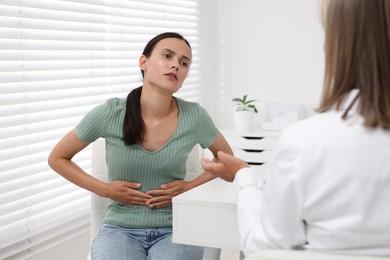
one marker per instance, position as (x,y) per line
(328,185)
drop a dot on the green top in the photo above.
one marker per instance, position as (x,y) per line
(135,164)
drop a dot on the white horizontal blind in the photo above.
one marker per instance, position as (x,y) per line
(59,59)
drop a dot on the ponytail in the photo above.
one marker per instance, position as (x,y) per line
(133,124)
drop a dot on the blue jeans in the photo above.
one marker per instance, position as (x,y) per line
(119,243)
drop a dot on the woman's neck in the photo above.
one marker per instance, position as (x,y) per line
(156,105)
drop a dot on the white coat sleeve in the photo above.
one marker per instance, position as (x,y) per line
(270,211)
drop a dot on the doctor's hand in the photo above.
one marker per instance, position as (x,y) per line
(225,167)
(127,193)
(163,197)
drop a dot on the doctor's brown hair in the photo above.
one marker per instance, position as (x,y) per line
(133,124)
(357,56)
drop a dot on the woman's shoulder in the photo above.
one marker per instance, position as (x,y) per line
(115,102)
(188,105)
(186,102)
(317,129)
(108,108)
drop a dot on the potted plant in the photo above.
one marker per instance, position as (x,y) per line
(243,114)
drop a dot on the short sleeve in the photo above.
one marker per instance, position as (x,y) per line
(206,130)
(93,125)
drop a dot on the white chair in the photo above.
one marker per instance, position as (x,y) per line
(280,254)
(99,171)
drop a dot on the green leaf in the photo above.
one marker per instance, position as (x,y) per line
(237,100)
(244,104)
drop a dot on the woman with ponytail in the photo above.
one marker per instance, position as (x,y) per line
(148,138)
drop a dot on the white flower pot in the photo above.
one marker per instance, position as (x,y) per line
(243,120)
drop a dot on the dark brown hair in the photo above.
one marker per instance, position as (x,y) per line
(357,55)
(133,124)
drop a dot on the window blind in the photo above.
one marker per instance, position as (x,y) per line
(59,59)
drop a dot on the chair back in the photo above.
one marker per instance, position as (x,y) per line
(99,171)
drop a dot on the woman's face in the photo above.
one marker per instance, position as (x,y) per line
(168,65)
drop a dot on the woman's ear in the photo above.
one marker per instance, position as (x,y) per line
(142,63)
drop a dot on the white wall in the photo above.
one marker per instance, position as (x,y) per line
(269,49)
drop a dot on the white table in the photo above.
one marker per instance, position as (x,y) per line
(206,216)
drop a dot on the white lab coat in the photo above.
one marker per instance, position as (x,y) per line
(328,189)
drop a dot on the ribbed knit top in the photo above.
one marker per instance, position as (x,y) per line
(150,168)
